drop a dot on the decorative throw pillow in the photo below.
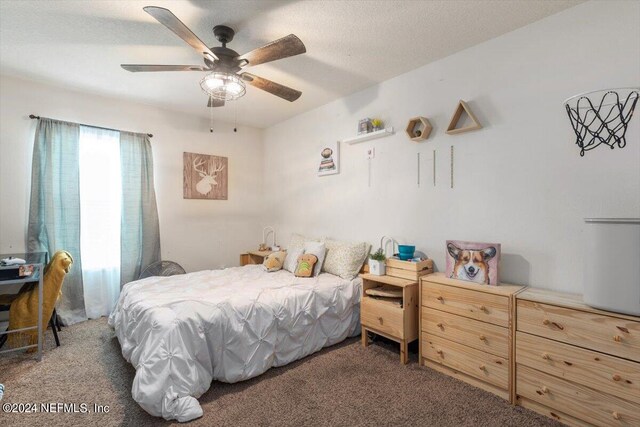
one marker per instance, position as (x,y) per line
(274,261)
(305,265)
(319,250)
(345,259)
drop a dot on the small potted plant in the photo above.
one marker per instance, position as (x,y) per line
(377,263)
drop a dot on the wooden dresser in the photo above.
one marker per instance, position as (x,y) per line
(466,331)
(575,363)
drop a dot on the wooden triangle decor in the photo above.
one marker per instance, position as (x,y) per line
(462,107)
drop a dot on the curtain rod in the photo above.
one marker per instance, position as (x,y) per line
(33,116)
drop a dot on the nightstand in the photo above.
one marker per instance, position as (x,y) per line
(253,257)
(397,321)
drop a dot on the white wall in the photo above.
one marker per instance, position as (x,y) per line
(199,234)
(519,181)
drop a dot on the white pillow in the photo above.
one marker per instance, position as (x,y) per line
(291,261)
(318,249)
(345,259)
(294,250)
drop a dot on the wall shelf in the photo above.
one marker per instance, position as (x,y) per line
(418,129)
(369,136)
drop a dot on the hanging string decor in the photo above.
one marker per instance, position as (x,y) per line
(603,122)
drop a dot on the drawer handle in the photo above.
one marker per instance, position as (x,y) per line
(483,368)
(548,322)
(546,356)
(440,352)
(440,299)
(483,338)
(616,377)
(617,338)
(381,320)
(483,308)
(440,325)
(616,416)
(545,390)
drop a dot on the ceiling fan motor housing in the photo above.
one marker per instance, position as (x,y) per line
(227,60)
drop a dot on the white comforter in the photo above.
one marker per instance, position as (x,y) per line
(181,332)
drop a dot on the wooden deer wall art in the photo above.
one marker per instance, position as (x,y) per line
(205,176)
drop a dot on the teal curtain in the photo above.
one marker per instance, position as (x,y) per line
(140,231)
(54,212)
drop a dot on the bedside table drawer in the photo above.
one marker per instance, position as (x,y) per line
(484,366)
(482,306)
(382,316)
(608,334)
(479,335)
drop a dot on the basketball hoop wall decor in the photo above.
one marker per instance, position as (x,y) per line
(601,117)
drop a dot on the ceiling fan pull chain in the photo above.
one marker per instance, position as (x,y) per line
(211,118)
(235,119)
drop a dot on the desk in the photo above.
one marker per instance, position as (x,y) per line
(38,260)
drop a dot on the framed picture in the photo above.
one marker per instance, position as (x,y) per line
(473,261)
(205,176)
(329,159)
(365,126)
(26,270)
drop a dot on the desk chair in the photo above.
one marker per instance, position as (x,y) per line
(21,305)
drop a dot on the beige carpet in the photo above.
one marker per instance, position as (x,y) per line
(344,385)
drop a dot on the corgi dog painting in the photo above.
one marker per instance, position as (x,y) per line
(472,261)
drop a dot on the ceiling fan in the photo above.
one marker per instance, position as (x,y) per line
(224,81)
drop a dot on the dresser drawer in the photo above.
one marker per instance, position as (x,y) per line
(383,317)
(608,334)
(479,335)
(484,366)
(576,400)
(482,306)
(602,372)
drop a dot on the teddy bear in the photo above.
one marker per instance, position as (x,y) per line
(274,261)
(305,265)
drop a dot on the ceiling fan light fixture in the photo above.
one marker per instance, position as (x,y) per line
(227,87)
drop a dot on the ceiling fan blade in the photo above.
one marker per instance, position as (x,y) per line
(213,102)
(171,21)
(136,68)
(274,88)
(282,48)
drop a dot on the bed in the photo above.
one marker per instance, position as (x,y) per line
(182,332)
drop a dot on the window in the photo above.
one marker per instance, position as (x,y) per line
(100,213)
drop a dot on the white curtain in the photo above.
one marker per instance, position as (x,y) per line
(100,207)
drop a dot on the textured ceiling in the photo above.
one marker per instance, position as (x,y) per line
(350,45)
